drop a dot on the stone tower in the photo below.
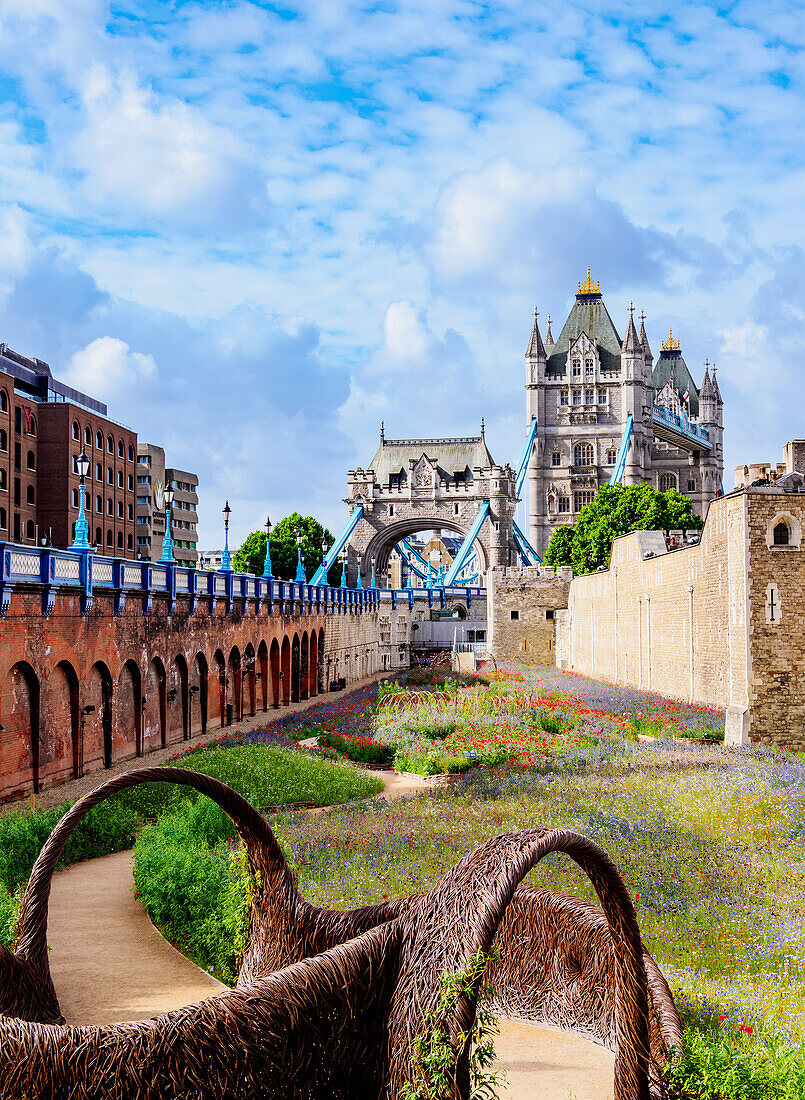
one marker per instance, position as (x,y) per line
(582,388)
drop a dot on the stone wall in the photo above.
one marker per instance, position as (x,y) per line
(522,606)
(715,623)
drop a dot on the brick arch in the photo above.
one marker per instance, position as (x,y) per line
(179,684)
(382,544)
(233,672)
(285,670)
(129,704)
(20,739)
(313,674)
(263,671)
(248,679)
(156,705)
(296,667)
(217,682)
(304,666)
(199,672)
(59,753)
(97,722)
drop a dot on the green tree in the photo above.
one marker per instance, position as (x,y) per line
(251,555)
(619,509)
(560,548)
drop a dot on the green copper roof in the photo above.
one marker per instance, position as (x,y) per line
(589,314)
(672,361)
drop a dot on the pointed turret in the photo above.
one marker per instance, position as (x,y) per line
(644,341)
(548,334)
(632,344)
(536,348)
(706,393)
(716,390)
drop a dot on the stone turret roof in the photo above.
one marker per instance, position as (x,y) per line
(669,364)
(589,315)
(631,342)
(716,390)
(644,339)
(451,455)
(536,348)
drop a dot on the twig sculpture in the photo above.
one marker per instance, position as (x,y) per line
(329,1003)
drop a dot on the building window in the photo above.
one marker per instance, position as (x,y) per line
(576,397)
(109,506)
(576,368)
(394,481)
(691,485)
(120,449)
(29,495)
(3,440)
(76,430)
(456,510)
(563,398)
(131,457)
(75,464)
(131,484)
(110,539)
(120,479)
(142,500)
(120,540)
(391,510)
(99,443)
(75,498)
(144,459)
(30,530)
(548,612)
(602,397)
(131,512)
(556,459)
(130,543)
(120,509)
(17,420)
(16,492)
(782,534)
(588,368)
(110,476)
(3,480)
(3,401)
(564,504)
(88,435)
(515,615)
(32,426)
(3,519)
(110,445)
(99,503)
(31,460)
(98,472)
(582,497)
(143,479)
(589,397)
(667,481)
(98,537)
(612,456)
(583,454)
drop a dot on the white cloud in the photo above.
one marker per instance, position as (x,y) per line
(107,368)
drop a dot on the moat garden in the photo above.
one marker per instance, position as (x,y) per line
(708,840)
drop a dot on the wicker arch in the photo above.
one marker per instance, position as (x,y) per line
(354,1010)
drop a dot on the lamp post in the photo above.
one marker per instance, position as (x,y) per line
(267,564)
(81,540)
(372,582)
(167,543)
(226,557)
(359,582)
(343,569)
(301,577)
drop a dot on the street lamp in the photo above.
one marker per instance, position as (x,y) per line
(226,557)
(267,563)
(410,581)
(81,540)
(372,583)
(359,583)
(301,577)
(343,569)
(167,543)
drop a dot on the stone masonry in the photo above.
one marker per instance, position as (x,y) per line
(522,608)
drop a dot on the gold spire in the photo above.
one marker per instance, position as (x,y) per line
(588,286)
(670,344)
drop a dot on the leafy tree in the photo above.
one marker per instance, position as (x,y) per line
(560,547)
(251,556)
(619,509)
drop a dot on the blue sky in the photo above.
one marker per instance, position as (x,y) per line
(258,229)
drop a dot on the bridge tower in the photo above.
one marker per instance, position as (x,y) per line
(582,389)
(441,484)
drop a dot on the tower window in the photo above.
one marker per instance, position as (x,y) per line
(588,368)
(556,459)
(564,504)
(782,535)
(563,398)
(612,456)
(576,368)
(576,397)
(515,615)
(589,397)
(691,485)
(583,454)
(602,397)
(667,482)
(582,497)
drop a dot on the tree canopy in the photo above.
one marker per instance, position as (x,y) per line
(251,555)
(616,510)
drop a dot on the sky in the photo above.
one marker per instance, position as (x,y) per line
(256,230)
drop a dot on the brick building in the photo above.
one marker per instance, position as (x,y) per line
(44,425)
(152,477)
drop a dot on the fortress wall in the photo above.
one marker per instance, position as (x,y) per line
(522,605)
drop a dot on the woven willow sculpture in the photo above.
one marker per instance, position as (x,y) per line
(329,1003)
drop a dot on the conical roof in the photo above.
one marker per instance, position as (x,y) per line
(644,338)
(536,348)
(671,367)
(631,342)
(588,315)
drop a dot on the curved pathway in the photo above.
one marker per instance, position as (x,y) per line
(110,964)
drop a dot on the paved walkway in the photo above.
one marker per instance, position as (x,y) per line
(110,964)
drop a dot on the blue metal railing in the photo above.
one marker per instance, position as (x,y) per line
(682,426)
